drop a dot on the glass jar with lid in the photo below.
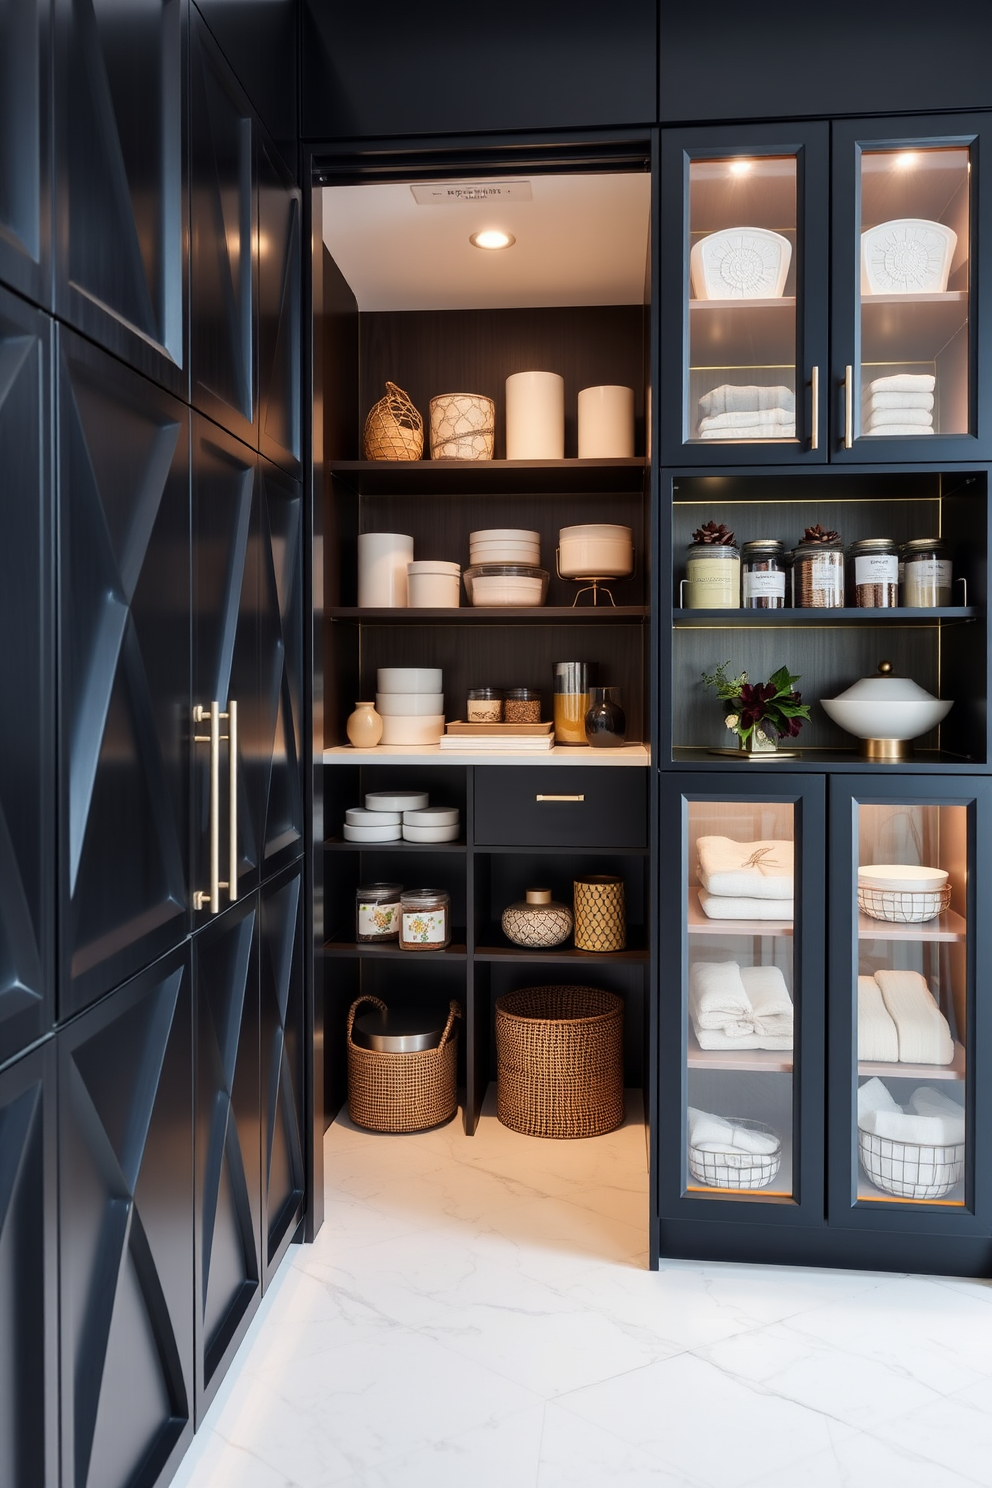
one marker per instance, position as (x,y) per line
(377,911)
(763,574)
(425,920)
(522,705)
(484,705)
(818,570)
(874,572)
(927,578)
(713,569)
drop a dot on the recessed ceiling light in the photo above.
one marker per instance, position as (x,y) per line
(740,167)
(492,237)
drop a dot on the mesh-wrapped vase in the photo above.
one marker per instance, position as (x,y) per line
(394,430)
(462,427)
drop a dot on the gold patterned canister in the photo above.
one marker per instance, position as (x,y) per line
(600,919)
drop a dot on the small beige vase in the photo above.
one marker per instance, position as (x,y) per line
(364,726)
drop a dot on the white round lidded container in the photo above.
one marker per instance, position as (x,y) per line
(902,893)
(431,816)
(505,545)
(409,679)
(396,800)
(602,550)
(417,730)
(409,704)
(389,833)
(431,834)
(506,584)
(361,816)
(901,877)
(434,585)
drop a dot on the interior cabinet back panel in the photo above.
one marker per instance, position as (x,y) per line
(27,701)
(125,671)
(121,215)
(25,139)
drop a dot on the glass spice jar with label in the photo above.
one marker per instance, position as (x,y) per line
(763,574)
(874,573)
(484,705)
(425,920)
(377,912)
(818,570)
(927,573)
(713,569)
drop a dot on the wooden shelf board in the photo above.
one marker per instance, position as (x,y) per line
(433,754)
(453,952)
(948,926)
(750,1061)
(700,923)
(839,761)
(481,477)
(338,844)
(956,1070)
(494,946)
(683,619)
(493,615)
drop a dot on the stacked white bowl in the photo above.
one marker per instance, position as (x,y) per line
(505,545)
(410,703)
(505,567)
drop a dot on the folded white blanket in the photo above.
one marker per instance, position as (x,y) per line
(753,870)
(712,1038)
(753,431)
(725,907)
(926,1131)
(903,382)
(874,1096)
(877,1036)
(896,400)
(926,1101)
(891,430)
(717,998)
(730,399)
(770,1001)
(924,1035)
(744,416)
(714,1134)
(880,417)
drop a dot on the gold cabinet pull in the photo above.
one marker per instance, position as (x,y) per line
(204,898)
(814,422)
(559,798)
(848,407)
(232,773)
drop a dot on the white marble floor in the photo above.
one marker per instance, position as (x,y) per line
(477,1313)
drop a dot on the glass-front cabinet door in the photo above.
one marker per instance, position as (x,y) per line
(909,862)
(907,360)
(744,1009)
(744,268)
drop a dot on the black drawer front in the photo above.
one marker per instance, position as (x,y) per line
(565,806)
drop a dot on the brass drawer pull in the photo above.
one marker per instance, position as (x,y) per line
(559,798)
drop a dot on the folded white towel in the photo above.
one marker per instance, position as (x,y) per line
(874,1096)
(879,418)
(903,382)
(730,399)
(726,907)
(752,870)
(924,1035)
(926,1131)
(877,1036)
(717,998)
(744,416)
(753,431)
(714,1134)
(926,1101)
(896,400)
(891,430)
(713,1038)
(770,1000)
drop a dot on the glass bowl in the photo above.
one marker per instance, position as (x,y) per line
(496,584)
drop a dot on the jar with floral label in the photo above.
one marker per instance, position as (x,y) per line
(927,573)
(874,572)
(377,912)
(425,920)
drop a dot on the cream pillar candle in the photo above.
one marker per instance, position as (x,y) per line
(606,422)
(535,416)
(383,558)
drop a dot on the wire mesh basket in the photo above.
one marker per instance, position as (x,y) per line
(734,1168)
(394,430)
(910,1170)
(903,906)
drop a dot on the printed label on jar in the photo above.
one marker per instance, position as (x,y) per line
(758,585)
(424,926)
(378,919)
(923,575)
(877,568)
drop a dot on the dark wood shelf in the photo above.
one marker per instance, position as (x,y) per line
(897,615)
(453,952)
(482,477)
(338,844)
(837,761)
(494,946)
(493,615)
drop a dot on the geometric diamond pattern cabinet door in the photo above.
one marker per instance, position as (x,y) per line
(227,1141)
(283,1171)
(28,1281)
(226,560)
(27,698)
(281,664)
(121,200)
(125,671)
(126,1225)
(223,258)
(25,134)
(280,428)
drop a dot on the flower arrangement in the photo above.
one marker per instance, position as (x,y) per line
(758,711)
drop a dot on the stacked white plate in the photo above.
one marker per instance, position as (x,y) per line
(363,825)
(410,703)
(505,545)
(431,824)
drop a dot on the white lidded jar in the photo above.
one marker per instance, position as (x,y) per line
(434,585)
(606,422)
(383,559)
(535,416)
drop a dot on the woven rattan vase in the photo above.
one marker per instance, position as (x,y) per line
(402,1092)
(394,429)
(559,1061)
(600,915)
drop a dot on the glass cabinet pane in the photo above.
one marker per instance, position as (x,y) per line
(742,343)
(914,301)
(911,1003)
(739,999)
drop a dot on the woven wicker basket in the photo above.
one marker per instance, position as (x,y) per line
(402,1092)
(559,1060)
(394,430)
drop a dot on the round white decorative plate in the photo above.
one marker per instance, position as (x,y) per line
(740,263)
(906,256)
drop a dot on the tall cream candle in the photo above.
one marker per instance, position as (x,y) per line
(606,422)
(383,558)
(535,416)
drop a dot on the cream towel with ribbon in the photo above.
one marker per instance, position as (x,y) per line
(751,870)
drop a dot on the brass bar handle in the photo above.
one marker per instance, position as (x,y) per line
(848,407)
(215,807)
(559,798)
(232,772)
(814,422)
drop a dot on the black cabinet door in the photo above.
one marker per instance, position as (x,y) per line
(281,667)
(282,1035)
(226,549)
(120,198)
(27,701)
(25,142)
(125,671)
(126,1227)
(223,260)
(28,1280)
(280,427)
(228,1163)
